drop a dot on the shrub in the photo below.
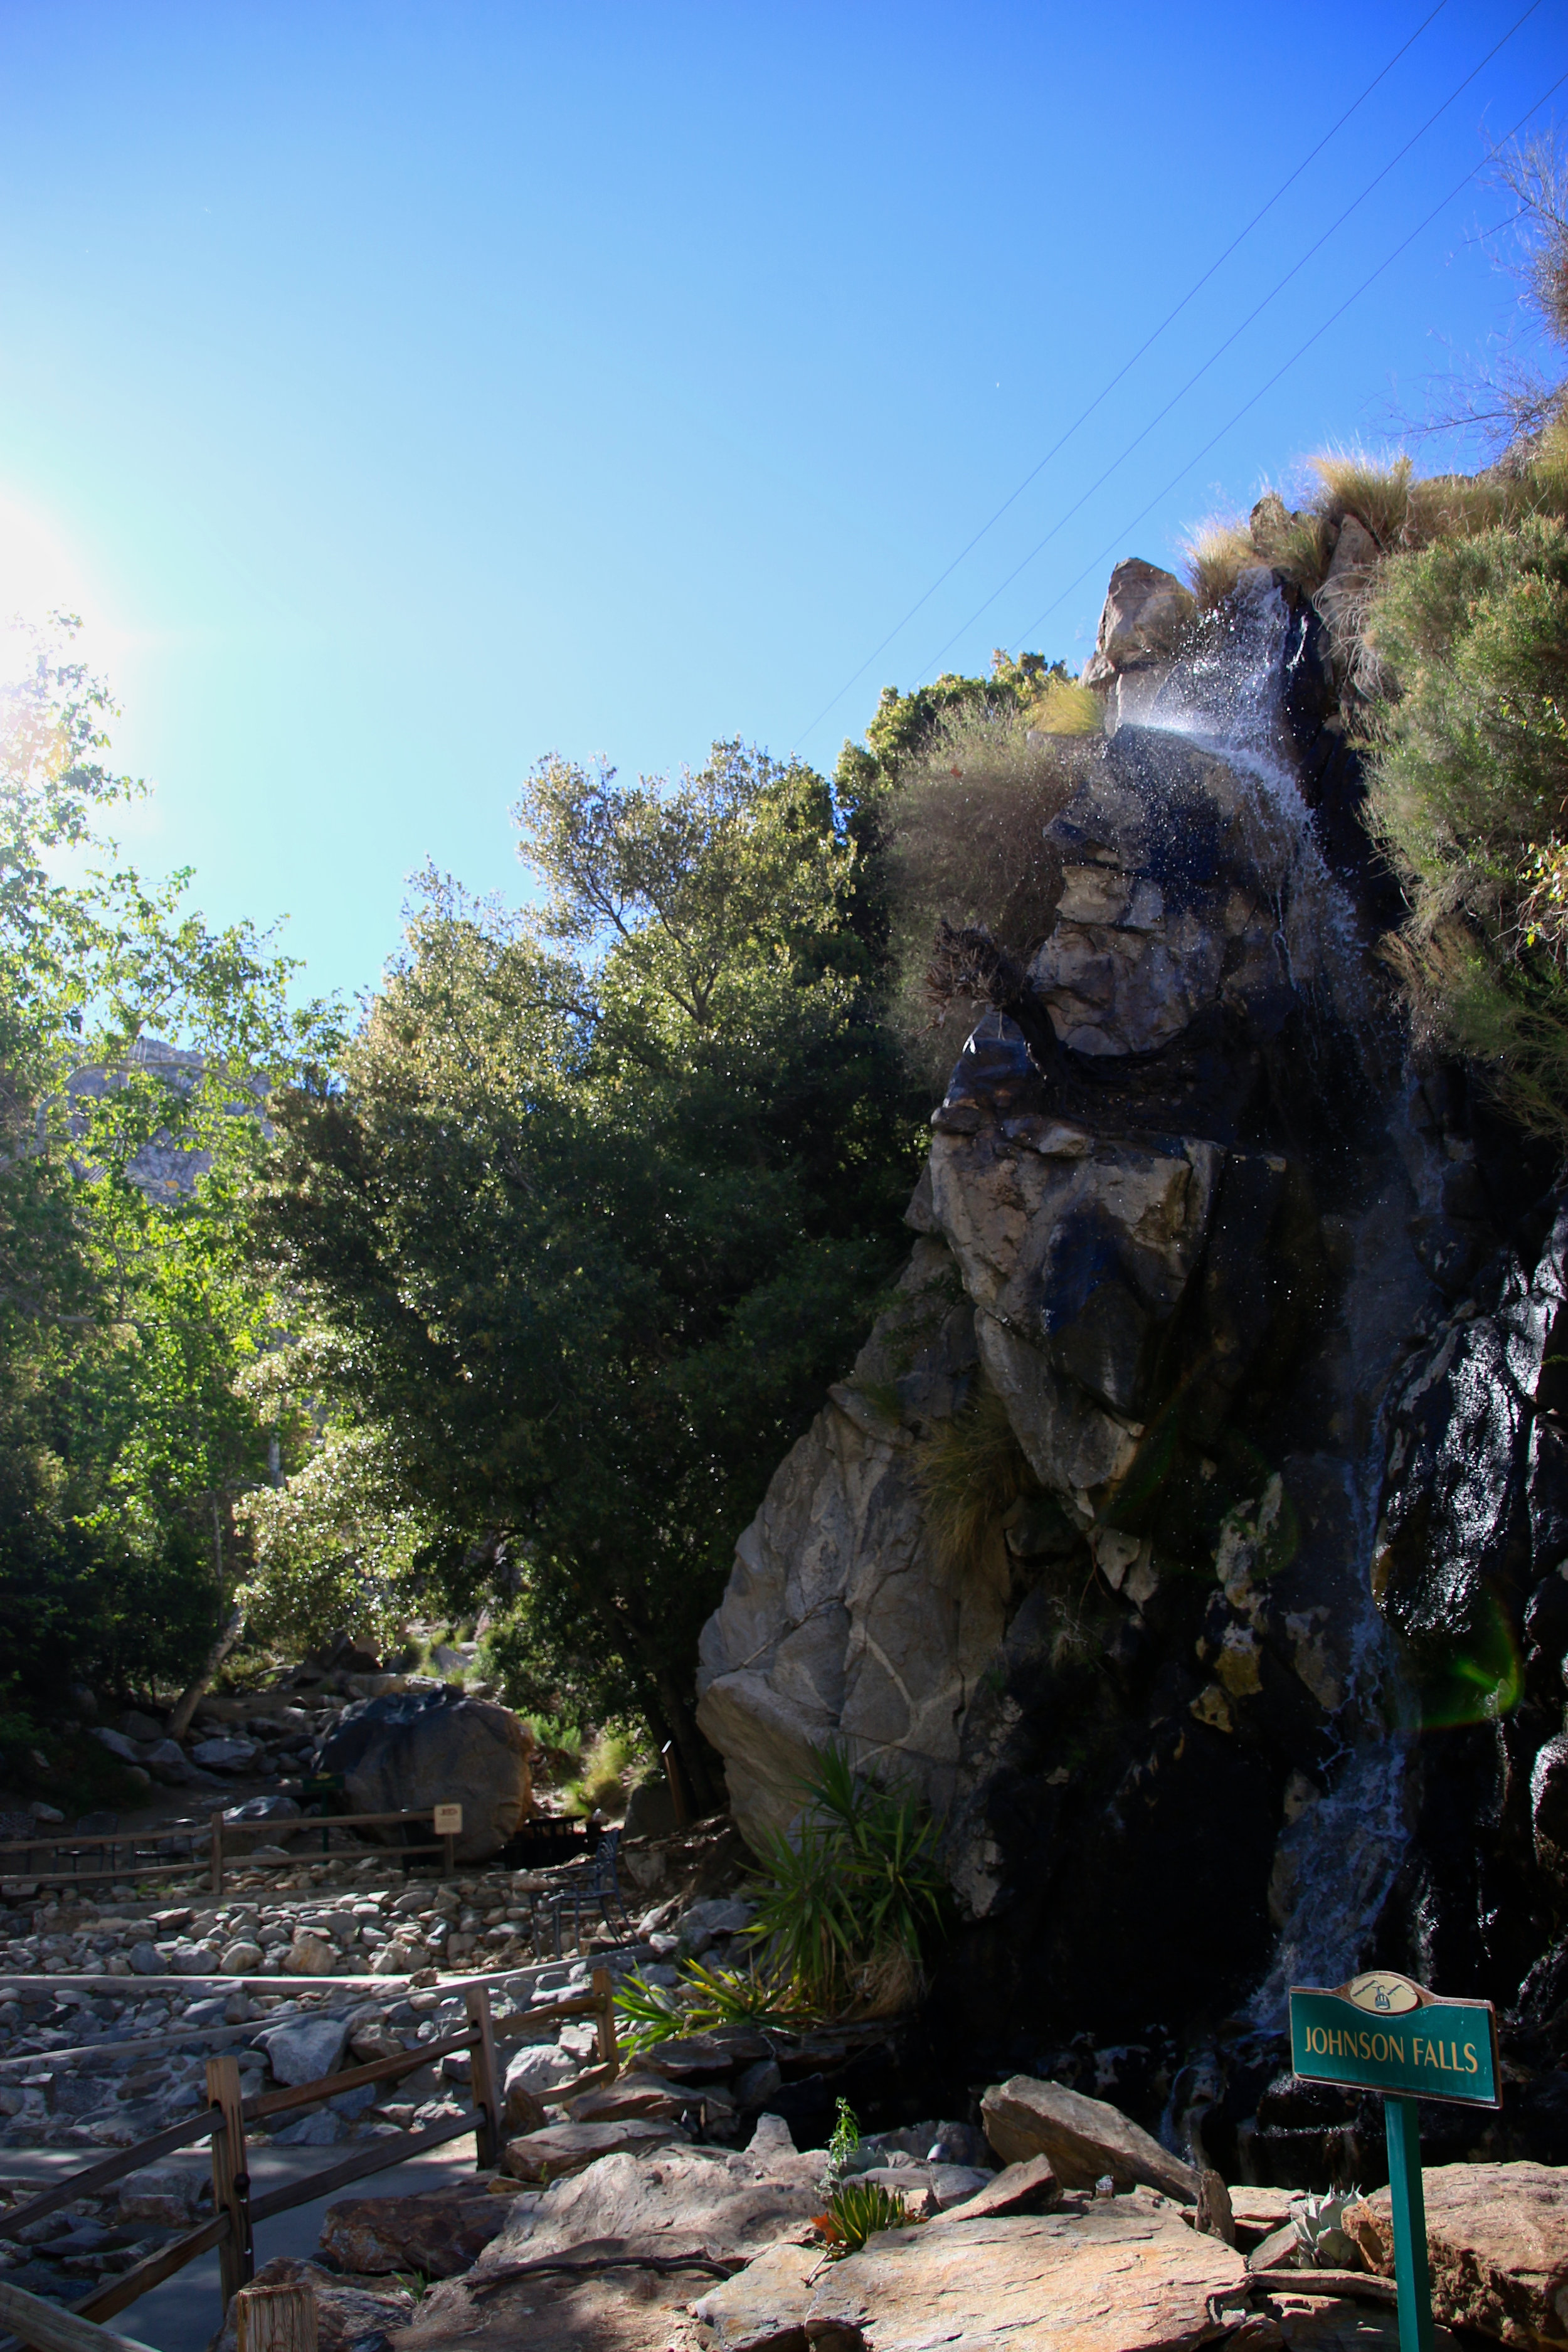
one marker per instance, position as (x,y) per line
(844,1903)
(703,1998)
(1470,794)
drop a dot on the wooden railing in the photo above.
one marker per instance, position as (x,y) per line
(225,1834)
(220,1843)
(224,2120)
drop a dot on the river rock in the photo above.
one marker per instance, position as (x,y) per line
(160,2193)
(309,1955)
(531,2076)
(117,1743)
(1497,2238)
(304,2049)
(439,2231)
(1083,2139)
(413,1748)
(546,2155)
(226,1755)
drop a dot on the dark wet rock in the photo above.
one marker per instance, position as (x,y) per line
(413,1748)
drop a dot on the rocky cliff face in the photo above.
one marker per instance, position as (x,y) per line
(1189,1531)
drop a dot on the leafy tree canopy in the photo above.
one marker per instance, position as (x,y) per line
(605,1196)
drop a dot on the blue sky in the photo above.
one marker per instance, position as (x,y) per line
(402,394)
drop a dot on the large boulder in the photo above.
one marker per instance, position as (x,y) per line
(413,1748)
(1125,2275)
(1147,613)
(702,2202)
(1497,2238)
(1085,2139)
(439,2232)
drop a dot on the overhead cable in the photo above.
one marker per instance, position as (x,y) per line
(1220,348)
(1111,381)
(1316,336)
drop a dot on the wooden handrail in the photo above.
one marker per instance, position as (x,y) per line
(47,2326)
(113,2296)
(113,2169)
(223,2121)
(376,2156)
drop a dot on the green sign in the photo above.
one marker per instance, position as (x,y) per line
(1381,2033)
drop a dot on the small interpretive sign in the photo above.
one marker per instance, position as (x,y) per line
(1384,2033)
(449,1821)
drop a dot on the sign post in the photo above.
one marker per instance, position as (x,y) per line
(1384,2033)
(449,1826)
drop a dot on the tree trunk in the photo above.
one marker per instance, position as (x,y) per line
(190,1697)
(687,1745)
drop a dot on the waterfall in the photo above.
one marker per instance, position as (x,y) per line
(1338,1858)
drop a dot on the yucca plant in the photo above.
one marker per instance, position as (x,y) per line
(844,1903)
(750,1996)
(856,2210)
(646,2013)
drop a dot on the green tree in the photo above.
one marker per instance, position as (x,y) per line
(605,1194)
(126,1311)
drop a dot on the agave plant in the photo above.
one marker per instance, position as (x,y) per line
(1324,2242)
(857,2209)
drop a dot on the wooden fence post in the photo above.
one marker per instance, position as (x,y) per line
(276,2319)
(231,2178)
(217,1851)
(603,1994)
(487,2092)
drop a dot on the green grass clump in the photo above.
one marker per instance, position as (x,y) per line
(1065,708)
(846,1903)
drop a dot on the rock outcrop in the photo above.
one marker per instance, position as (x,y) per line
(1252,1318)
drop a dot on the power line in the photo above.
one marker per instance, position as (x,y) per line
(1316,336)
(1220,348)
(1111,381)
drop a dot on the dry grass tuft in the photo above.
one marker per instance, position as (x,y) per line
(1067,708)
(1294,543)
(965,846)
(1217,553)
(970,1470)
(1375,491)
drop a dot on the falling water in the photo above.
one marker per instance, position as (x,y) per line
(1340,1854)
